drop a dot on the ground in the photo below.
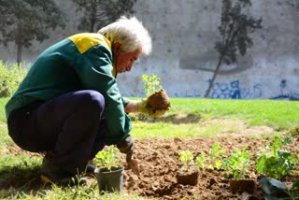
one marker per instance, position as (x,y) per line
(159,163)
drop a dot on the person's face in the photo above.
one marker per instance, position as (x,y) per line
(124,61)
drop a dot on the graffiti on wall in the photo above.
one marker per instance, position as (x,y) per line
(285,92)
(232,90)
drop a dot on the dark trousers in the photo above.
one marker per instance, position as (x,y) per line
(69,128)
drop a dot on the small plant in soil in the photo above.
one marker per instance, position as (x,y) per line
(237,164)
(108,158)
(276,162)
(188,173)
(186,158)
(216,153)
(201,161)
(109,174)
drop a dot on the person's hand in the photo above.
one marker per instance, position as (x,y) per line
(145,108)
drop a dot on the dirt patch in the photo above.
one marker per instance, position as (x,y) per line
(159,163)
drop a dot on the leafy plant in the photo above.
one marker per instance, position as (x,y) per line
(238,163)
(186,158)
(276,163)
(151,83)
(215,153)
(108,158)
(201,161)
(10,78)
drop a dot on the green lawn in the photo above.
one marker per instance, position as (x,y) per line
(188,117)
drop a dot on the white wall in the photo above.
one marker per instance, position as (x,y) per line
(184,33)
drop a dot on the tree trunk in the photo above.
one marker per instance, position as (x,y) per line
(207,94)
(19,54)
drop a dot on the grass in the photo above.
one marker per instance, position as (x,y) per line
(210,117)
(188,117)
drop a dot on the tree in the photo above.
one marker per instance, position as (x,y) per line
(98,13)
(234,29)
(23,21)
(293,3)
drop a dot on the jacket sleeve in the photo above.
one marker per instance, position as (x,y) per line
(94,69)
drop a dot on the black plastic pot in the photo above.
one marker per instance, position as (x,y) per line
(110,180)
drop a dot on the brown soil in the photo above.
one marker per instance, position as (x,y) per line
(159,101)
(159,164)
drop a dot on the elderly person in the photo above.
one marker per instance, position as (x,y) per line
(69,104)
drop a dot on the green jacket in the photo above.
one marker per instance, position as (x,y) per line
(82,61)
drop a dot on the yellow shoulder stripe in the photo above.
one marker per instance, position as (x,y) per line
(85,41)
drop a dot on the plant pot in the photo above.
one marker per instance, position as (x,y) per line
(243,185)
(110,180)
(187,176)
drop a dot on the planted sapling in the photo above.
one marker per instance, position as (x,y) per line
(186,158)
(201,161)
(108,158)
(237,163)
(215,153)
(276,162)
(188,174)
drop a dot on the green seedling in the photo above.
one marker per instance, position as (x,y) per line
(201,161)
(276,162)
(108,158)
(151,84)
(216,152)
(186,158)
(237,163)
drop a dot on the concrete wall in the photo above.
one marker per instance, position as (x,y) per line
(184,33)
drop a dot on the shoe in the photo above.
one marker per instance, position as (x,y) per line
(90,169)
(53,174)
(62,178)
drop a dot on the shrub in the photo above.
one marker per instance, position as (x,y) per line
(10,78)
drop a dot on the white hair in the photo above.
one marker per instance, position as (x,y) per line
(130,33)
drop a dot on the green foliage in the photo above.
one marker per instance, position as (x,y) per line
(25,21)
(98,13)
(201,161)
(108,158)
(151,83)
(216,152)
(10,78)
(238,163)
(186,158)
(276,162)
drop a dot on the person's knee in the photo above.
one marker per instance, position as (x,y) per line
(94,101)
